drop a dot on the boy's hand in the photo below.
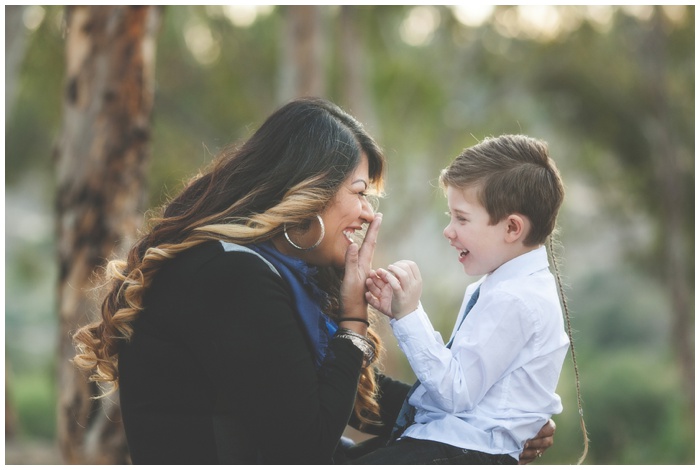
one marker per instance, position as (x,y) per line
(398,286)
(379,294)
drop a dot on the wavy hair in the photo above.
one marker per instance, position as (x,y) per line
(289,170)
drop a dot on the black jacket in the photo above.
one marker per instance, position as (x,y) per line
(218,370)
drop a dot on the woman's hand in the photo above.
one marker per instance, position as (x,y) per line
(536,446)
(358,264)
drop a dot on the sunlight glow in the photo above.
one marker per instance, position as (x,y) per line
(201,43)
(641,12)
(600,16)
(33,16)
(472,14)
(418,27)
(539,21)
(244,16)
(547,22)
(675,13)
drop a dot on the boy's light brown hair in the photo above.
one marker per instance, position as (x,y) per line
(512,174)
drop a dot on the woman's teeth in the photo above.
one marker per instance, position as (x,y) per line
(348,234)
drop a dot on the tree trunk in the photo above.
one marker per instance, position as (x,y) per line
(354,68)
(15,46)
(100,196)
(302,71)
(672,193)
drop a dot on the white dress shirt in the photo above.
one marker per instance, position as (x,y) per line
(495,387)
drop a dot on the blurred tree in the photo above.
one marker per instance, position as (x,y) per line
(668,150)
(100,169)
(303,45)
(636,107)
(351,52)
(15,45)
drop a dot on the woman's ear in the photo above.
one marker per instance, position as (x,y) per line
(517,228)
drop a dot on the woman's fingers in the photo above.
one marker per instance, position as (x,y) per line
(548,430)
(351,260)
(536,446)
(369,243)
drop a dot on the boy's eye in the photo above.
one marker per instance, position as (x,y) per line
(458,218)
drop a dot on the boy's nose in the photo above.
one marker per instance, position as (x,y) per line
(447,232)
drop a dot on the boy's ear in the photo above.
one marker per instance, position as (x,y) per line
(517,228)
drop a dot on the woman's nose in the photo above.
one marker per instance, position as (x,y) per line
(367,211)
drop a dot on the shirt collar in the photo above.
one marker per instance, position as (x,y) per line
(520,266)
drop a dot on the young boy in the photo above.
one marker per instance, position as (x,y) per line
(492,386)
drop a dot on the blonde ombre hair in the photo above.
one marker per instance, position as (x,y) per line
(289,170)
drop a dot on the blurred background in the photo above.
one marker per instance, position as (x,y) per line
(611,89)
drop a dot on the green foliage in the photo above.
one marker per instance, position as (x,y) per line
(632,409)
(33,395)
(617,311)
(34,123)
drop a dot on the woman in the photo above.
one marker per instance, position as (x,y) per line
(237,331)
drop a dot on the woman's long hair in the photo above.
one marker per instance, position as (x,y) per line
(289,170)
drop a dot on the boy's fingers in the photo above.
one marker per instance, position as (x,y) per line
(409,267)
(391,279)
(372,287)
(404,273)
(414,270)
(372,300)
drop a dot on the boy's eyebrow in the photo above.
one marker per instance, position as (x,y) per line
(459,212)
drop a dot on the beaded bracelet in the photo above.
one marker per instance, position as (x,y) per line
(361,320)
(364,344)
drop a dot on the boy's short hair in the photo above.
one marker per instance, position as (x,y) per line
(513,174)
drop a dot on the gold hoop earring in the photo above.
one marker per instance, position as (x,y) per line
(318,242)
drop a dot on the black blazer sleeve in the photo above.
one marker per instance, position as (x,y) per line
(391,395)
(246,336)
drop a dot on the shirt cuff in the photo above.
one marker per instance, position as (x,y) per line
(414,332)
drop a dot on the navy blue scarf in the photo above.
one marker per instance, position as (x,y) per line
(308,298)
